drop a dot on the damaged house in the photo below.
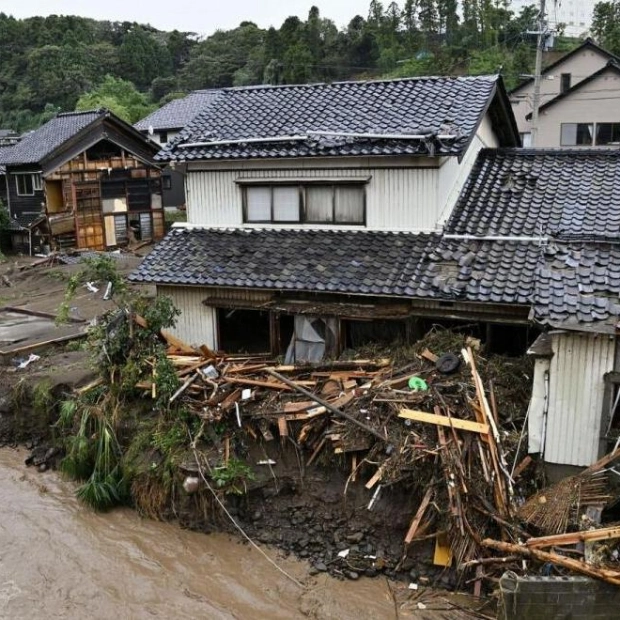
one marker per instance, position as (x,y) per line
(319,214)
(84,180)
(310,208)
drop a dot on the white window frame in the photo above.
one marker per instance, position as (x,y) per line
(36,182)
(302,188)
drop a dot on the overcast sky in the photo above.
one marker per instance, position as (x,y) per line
(189,15)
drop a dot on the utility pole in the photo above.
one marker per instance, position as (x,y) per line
(542,37)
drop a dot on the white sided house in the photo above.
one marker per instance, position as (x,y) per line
(311,201)
(327,216)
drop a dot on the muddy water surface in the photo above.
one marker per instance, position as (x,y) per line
(60,560)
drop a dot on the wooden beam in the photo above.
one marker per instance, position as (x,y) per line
(553,558)
(442,420)
(415,523)
(572,538)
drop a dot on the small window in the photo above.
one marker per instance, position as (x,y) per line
(25,184)
(565,80)
(163,137)
(305,203)
(577,134)
(607,133)
(166,182)
(526,139)
(37,182)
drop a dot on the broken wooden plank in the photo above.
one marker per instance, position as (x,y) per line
(316,451)
(428,355)
(522,466)
(257,383)
(572,538)
(442,420)
(206,351)
(185,385)
(329,406)
(377,476)
(282,428)
(295,407)
(419,515)
(553,558)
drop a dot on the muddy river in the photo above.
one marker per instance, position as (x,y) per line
(60,560)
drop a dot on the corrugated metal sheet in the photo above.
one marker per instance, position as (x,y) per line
(197,323)
(576,390)
(397,198)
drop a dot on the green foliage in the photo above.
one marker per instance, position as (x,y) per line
(42,398)
(232,477)
(119,96)
(606,25)
(58,62)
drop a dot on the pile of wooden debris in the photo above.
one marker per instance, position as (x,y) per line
(432,424)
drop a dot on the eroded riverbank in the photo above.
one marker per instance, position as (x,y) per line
(59,559)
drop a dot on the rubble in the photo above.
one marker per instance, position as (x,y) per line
(437,422)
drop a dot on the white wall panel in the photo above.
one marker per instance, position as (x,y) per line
(576,390)
(197,323)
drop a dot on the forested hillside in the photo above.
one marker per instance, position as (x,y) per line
(60,63)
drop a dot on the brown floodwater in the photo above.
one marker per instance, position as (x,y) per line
(58,559)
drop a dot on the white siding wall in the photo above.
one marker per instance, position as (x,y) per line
(197,323)
(413,193)
(396,198)
(576,389)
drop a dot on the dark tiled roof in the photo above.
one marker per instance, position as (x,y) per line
(567,194)
(578,284)
(340,261)
(564,284)
(266,116)
(178,113)
(36,145)
(356,262)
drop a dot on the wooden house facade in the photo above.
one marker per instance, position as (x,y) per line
(85,180)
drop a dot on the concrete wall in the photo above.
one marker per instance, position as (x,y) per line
(548,598)
(580,66)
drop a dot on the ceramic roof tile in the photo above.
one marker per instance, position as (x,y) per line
(36,145)
(178,113)
(314,119)
(563,193)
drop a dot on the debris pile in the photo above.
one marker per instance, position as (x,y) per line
(427,423)
(431,425)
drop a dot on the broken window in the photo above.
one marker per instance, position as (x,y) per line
(314,339)
(577,134)
(306,203)
(243,331)
(607,133)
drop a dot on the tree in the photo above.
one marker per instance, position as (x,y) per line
(143,58)
(120,97)
(606,25)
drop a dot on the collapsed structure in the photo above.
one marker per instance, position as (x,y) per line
(82,180)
